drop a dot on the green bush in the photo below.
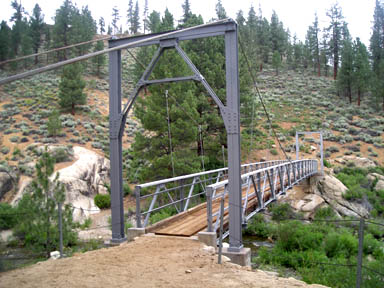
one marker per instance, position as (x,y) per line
(103,201)
(326,163)
(162,214)
(273,151)
(61,155)
(127,190)
(258,227)
(324,213)
(282,212)
(8,216)
(294,235)
(340,245)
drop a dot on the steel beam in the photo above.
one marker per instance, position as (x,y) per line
(232,121)
(116,147)
(215,29)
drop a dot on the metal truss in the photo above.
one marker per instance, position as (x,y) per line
(259,188)
(179,191)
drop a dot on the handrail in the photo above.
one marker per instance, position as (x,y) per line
(191,181)
(267,184)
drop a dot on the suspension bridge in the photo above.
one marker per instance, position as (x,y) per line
(234,194)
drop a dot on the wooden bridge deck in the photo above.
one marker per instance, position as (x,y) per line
(195,220)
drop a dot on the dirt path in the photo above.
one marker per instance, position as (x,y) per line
(147,262)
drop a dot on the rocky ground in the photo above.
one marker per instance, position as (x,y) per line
(147,262)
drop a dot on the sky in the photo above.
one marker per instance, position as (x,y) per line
(296,15)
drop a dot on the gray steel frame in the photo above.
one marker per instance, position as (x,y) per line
(321,146)
(230,113)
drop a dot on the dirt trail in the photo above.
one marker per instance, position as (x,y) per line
(147,262)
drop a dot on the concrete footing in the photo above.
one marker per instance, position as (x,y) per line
(208,238)
(132,233)
(242,258)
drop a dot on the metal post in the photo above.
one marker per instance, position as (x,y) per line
(60,228)
(138,208)
(221,228)
(233,139)
(297,146)
(209,209)
(181,191)
(321,153)
(117,209)
(360,254)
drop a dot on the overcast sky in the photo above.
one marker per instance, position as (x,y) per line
(297,15)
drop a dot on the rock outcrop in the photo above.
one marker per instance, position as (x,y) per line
(331,190)
(380,180)
(83,180)
(360,162)
(6,183)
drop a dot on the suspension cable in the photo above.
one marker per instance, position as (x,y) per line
(256,88)
(253,113)
(169,133)
(54,50)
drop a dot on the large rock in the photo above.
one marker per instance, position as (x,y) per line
(360,162)
(6,183)
(83,180)
(380,180)
(332,190)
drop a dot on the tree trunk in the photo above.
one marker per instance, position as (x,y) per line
(318,69)
(350,95)
(261,66)
(334,71)
(73,109)
(358,97)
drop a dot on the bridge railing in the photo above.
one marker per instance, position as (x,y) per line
(259,188)
(180,191)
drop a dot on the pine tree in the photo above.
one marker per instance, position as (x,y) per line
(167,22)
(102,25)
(5,40)
(17,28)
(71,87)
(362,71)
(297,53)
(145,17)
(278,35)
(136,19)
(377,52)
(335,28)
(377,38)
(99,61)
(61,28)
(37,28)
(346,73)
(130,16)
(154,22)
(40,229)
(54,125)
(220,10)
(276,61)
(109,32)
(115,19)
(83,29)
(324,54)
(313,43)
(187,14)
